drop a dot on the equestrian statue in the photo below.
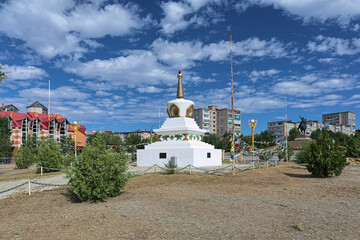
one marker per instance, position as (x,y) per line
(302,125)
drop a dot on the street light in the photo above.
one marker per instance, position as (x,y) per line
(252,124)
(75,125)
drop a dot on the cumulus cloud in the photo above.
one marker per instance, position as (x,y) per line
(185,53)
(342,11)
(137,68)
(60,28)
(334,46)
(180,15)
(24,72)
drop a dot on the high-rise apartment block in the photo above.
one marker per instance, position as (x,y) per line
(217,121)
(342,120)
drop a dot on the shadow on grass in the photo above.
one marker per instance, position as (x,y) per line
(296,175)
(70,196)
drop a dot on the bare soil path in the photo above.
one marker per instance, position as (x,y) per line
(282,202)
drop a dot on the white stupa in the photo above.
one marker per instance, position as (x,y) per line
(181,138)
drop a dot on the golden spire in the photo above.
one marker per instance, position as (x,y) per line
(180,91)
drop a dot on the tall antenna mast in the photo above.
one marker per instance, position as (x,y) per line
(286,138)
(49,102)
(159,118)
(232,88)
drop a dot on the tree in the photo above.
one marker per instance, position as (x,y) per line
(303,155)
(133,142)
(27,154)
(49,155)
(264,139)
(293,133)
(353,146)
(99,173)
(3,76)
(326,158)
(213,139)
(339,137)
(6,147)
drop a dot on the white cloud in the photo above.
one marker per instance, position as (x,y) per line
(102,93)
(149,89)
(138,68)
(314,85)
(334,46)
(255,75)
(61,28)
(343,11)
(180,15)
(184,54)
(24,72)
(63,93)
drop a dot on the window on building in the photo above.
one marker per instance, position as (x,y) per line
(25,129)
(52,129)
(208,155)
(63,129)
(36,128)
(162,155)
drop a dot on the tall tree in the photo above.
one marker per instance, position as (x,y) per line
(5,133)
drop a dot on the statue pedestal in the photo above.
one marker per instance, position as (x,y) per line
(302,137)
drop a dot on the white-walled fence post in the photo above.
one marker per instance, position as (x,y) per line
(29,185)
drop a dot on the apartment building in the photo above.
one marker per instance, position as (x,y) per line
(336,122)
(343,121)
(277,129)
(217,121)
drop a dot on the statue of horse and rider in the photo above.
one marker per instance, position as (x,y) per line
(302,125)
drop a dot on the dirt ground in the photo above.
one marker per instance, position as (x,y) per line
(282,202)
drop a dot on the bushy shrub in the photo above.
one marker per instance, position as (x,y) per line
(99,173)
(303,155)
(353,146)
(27,154)
(326,158)
(24,158)
(286,156)
(171,167)
(49,155)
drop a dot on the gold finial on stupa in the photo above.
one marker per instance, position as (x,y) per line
(180,91)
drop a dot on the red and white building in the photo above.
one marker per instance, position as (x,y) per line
(36,122)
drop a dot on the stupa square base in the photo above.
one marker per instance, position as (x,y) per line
(197,157)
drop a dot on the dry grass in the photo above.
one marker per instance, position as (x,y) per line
(282,202)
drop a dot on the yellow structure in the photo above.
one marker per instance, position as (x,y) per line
(252,124)
(75,125)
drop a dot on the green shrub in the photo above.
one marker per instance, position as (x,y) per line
(49,155)
(27,154)
(99,173)
(326,158)
(353,146)
(24,158)
(286,156)
(303,155)
(171,167)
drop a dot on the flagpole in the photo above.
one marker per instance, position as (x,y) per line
(232,149)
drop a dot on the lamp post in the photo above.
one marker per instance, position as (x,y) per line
(75,125)
(252,124)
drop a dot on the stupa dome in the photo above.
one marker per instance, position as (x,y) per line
(180,107)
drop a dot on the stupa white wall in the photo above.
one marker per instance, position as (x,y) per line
(181,138)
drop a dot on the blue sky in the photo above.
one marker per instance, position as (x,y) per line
(113,64)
